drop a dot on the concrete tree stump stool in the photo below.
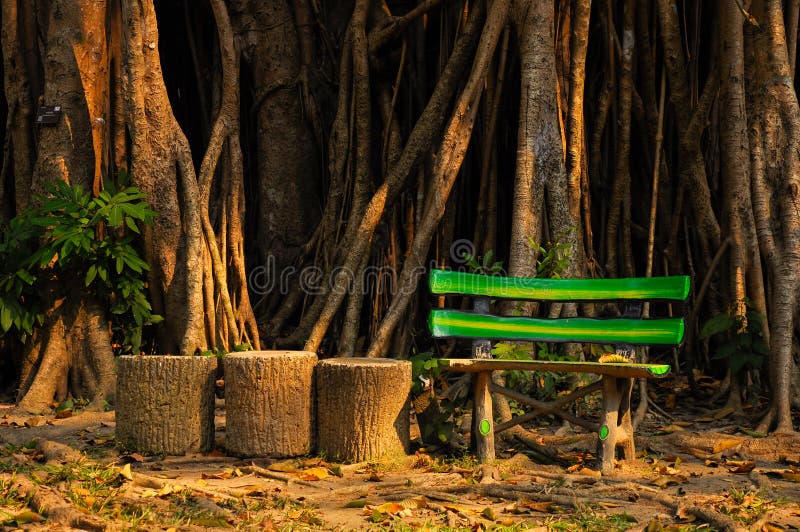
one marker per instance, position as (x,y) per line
(165,404)
(362,408)
(269,403)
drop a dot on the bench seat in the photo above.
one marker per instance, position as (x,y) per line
(614,369)
(615,428)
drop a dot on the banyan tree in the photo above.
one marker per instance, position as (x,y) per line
(308,161)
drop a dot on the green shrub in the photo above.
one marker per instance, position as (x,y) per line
(69,235)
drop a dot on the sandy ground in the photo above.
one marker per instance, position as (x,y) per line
(685,477)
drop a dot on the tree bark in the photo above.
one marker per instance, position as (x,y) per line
(362,408)
(166,403)
(287,163)
(162,167)
(421,138)
(269,403)
(71,354)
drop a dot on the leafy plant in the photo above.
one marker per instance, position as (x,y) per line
(69,234)
(485,265)
(424,370)
(436,420)
(554,258)
(743,343)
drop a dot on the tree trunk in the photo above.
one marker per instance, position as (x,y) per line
(166,403)
(269,406)
(71,354)
(287,158)
(162,166)
(362,408)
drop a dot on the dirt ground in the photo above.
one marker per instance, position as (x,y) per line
(698,474)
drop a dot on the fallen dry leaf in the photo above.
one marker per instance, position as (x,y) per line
(672,428)
(217,476)
(27,517)
(697,453)
(609,505)
(667,470)
(125,472)
(684,516)
(740,467)
(726,444)
(541,506)
(358,503)
(35,421)
(414,503)
(314,473)
(387,508)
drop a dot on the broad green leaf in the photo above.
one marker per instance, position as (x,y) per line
(115,216)
(90,274)
(25,276)
(5,318)
(719,323)
(131,224)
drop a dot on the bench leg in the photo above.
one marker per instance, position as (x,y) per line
(628,448)
(607,443)
(482,417)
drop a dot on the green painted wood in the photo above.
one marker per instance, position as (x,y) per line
(623,370)
(453,323)
(639,288)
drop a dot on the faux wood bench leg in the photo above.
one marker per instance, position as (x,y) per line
(608,424)
(628,448)
(482,417)
(616,427)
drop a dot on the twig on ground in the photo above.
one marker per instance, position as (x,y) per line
(46,501)
(275,475)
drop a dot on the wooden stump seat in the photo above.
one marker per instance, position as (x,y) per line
(362,408)
(269,403)
(165,404)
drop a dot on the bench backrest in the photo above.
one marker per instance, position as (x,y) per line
(445,323)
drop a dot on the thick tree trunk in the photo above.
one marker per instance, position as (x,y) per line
(269,403)
(362,408)
(71,354)
(166,403)
(734,147)
(419,141)
(161,165)
(286,154)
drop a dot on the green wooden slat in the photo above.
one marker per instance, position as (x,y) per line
(615,369)
(665,331)
(639,288)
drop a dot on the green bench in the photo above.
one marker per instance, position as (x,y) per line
(615,428)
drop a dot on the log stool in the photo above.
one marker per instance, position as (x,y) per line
(269,400)
(165,404)
(362,408)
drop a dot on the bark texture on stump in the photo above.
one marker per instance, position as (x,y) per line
(165,404)
(362,408)
(269,403)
